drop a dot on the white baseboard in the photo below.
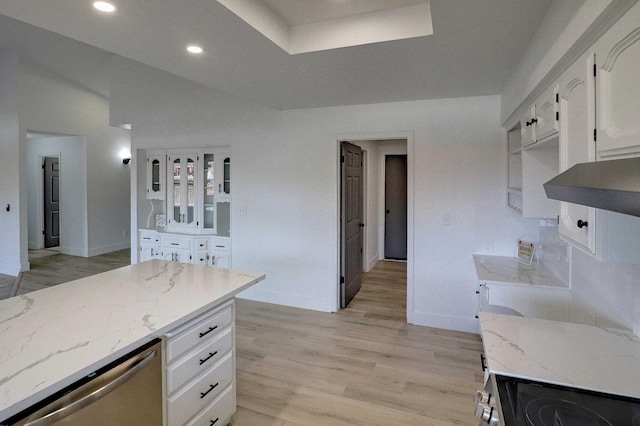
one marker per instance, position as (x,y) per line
(287,299)
(108,249)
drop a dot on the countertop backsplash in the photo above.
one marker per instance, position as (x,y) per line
(554,253)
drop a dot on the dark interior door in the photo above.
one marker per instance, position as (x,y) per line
(395,189)
(351,221)
(51,202)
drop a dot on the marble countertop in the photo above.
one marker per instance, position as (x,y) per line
(508,270)
(577,355)
(52,337)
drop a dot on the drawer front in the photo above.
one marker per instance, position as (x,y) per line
(176,242)
(197,362)
(202,258)
(201,244)
(192,335)
(200,393)
(219,412)
(220,244)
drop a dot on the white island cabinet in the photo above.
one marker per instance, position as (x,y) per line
(53,337)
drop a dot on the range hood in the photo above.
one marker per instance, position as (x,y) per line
(609,185)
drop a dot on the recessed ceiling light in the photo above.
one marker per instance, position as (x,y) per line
(194,49)
(103,6)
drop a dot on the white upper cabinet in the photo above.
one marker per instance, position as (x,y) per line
(577,115)
(156,174)
(617,82)
(181,193)
(541,120)
(198,191)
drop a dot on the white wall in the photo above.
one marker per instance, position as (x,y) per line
(51,104)
(72,154)
(9,172)
(285,172)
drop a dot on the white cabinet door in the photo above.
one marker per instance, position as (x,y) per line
(156,176)
(527,127)
(618,100)
(546,123)
(577,115)
(220,259)
(149,245)
(181,192)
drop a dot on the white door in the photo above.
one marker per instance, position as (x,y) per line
(577,115)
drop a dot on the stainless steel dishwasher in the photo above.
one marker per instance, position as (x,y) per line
(126,392)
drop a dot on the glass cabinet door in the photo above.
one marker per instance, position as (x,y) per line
(208,186)
(226,183)
(156,176)
(182,208)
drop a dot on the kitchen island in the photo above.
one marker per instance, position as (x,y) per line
(53,337)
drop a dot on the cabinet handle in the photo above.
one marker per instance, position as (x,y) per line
(211,387)
(528,123)
(175,244)
(208,331)
(534,120)
(483,362)
(582,224)
(213,422)
(219,187)
(211,355)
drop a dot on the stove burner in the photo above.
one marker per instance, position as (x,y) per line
(559,412)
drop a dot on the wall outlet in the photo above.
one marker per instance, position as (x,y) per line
(489,247)
(125,233)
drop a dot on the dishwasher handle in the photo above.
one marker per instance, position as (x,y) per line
(79,404)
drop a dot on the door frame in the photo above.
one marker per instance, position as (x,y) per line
(355,137)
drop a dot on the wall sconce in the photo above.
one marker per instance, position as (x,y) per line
(125,154)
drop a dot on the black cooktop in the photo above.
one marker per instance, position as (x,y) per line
(530,403)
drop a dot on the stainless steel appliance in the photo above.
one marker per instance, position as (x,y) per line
(126,392)
(531,403)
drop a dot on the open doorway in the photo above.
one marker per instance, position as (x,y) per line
(56,175)
(374,226)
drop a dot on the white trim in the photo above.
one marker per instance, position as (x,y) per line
(448,322)
(409,137)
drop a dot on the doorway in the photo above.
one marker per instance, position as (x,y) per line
(395,207)
(51,202)
(375,148)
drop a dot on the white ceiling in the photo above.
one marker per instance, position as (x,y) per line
(474,49)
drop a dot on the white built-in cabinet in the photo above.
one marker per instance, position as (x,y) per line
(201,250)
(617,56)
(577,114)
(195,187)
(540,122)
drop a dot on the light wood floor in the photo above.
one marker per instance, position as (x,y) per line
(363,366)
(51,268)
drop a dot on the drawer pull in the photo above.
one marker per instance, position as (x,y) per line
(211,387)
(483,362)
(208,331)
(211,355)
(213,422)
(175,244)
